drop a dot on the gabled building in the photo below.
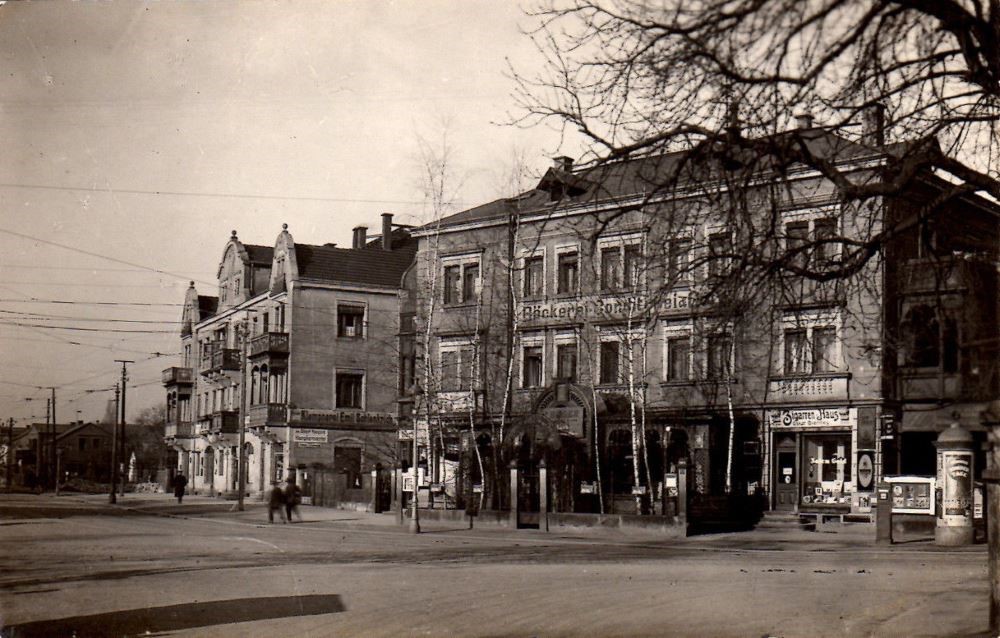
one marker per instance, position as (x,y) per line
(300,347)
(605,293)
(83,451)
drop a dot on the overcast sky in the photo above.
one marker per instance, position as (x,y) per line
(146,132)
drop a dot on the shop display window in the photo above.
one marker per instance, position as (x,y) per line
(826,469)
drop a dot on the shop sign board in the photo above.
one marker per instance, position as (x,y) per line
(912,494)
(810,418)
(866,470)
(340,417)
(600,307)
(588,488)
(305,437)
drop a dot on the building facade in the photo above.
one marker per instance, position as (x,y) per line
(300,347)
(604,325)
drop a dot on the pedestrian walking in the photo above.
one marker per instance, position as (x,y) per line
(293,496)
(180,484)
(276,501)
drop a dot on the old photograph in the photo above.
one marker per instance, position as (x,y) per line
(540,318)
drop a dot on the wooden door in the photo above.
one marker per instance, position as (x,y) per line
(786,474)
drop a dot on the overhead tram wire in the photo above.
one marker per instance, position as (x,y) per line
(81,329)
(38,316)
(91,303)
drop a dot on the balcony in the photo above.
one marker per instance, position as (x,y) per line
(182,429)
(831,386)
(225,422)
(271,344)
(917,384)
(219,360)
(269,414)
(178,376)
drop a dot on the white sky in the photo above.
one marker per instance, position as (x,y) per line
(109,111)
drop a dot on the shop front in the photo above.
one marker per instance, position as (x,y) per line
(815,458)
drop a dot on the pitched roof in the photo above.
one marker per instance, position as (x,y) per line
(368,266)
(650,173)
(260,254)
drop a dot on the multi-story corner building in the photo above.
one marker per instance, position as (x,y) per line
(300,347)
(618,311)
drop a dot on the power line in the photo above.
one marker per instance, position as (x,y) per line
(84,268)
(79,284)
(88,303)
(80,329)
(41,316)
(137,191)
(100,256)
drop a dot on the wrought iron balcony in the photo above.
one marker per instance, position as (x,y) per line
(178,376)
(269,344)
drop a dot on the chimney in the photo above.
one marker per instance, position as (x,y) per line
(873,124)
(562,163)
(386,231)
(803,120)
(360,236)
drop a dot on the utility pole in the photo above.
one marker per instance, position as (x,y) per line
(241,476)
(52,444)
(43,451)
(10,452)
(124,461)
(112,496)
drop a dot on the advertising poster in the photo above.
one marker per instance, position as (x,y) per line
(957,492)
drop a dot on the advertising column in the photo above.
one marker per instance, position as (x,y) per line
(954,475)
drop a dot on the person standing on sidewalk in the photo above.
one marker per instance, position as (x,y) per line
(276,501)
(293,496)
(180,484)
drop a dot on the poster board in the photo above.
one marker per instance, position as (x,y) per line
(912,494)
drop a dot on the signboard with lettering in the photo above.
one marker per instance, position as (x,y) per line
(598,307)
(309,437)
(815,418)
(334,418)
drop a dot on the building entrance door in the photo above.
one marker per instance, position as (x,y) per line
(528,497)
(786,478)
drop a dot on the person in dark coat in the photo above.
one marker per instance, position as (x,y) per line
(293,496)
(276,501)
(180,484)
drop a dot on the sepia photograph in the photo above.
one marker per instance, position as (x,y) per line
(517,318)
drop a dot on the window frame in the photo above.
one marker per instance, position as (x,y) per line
(809,323)
(563,286)
(362,328)
(467,290)
(339,376)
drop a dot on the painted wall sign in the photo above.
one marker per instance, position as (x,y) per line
(813,418)
(338,417)
(309,437)
(594,307)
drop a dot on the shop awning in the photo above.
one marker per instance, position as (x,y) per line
(923,418)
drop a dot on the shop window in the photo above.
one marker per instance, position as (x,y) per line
(609,363)
(678,358)
(566,362)
(827,469)
(350,321)
(532,377)
(534,276)
(350,388)
(568,273)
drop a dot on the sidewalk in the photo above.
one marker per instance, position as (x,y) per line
(764,539)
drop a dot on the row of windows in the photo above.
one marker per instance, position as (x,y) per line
(621,262)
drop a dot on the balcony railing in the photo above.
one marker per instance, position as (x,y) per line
(267,414)
(219,359)
(946,274)
(269,343)
(180,429)
(178,376)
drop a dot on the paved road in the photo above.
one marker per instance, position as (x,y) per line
(75,565)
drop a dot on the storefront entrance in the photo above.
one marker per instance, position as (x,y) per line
(786,479)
